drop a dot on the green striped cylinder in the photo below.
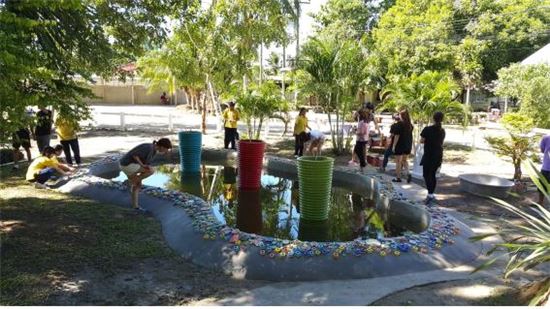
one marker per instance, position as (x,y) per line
(315,183)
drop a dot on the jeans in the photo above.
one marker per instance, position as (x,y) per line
(44,175)
(42,142)
(229,138)
(387,154)
(359,150)
(67,145)
(429,172)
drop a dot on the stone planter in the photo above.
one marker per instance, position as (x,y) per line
(485,185)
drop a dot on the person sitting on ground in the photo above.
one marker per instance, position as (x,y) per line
(164,99)
(43,168)
(300,133)
(135,164)
(316,140)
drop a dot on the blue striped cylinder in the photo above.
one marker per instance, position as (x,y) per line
(190,151)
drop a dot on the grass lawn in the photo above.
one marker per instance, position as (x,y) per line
(48,238)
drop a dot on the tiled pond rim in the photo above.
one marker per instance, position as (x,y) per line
(191,229)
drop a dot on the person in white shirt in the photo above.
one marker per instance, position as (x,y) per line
(316,141)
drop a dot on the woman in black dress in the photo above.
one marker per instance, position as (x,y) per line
(402,145)
(432,137)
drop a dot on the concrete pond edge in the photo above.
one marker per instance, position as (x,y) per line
(190,228)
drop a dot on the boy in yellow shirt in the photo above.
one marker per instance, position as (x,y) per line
(44,167)
(300,134)
(230,118)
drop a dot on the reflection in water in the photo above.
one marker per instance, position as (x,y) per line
(229,184)
(274,209)
(314,230)
(191,183)
(249,212)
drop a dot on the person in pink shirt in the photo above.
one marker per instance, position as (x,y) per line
(362,137)
(545,170)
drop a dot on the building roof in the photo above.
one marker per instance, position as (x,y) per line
(541,56)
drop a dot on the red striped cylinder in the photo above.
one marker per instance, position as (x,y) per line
(251,159)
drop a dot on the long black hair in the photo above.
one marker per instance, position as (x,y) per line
(406,119)
(438,119)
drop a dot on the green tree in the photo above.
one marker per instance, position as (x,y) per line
(259,103)
(423,95)
(334,73)
(413,36)
(519,144)
(45,45)
(530,84)
(343,19)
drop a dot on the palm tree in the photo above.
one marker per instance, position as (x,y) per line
(422,95)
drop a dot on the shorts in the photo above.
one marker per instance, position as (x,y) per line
(131,169)
(546,175)
(21,138)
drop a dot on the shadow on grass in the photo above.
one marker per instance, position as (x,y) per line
(48,235)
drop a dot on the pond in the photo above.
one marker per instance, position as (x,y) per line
(274,210)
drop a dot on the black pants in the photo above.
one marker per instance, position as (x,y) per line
(67,146)
(359,150)
(429,171)
(230,137)
(299,141)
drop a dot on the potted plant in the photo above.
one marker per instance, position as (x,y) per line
(256,105)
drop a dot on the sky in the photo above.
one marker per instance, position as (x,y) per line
(306,27)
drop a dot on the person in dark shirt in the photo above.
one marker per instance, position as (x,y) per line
(389,146)
(402,145)
(43,129)
(432,137)
(135,164)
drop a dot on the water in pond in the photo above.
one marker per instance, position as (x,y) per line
(274,210)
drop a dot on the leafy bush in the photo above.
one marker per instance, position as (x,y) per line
(530,84)
(258,104)
(530,246)
(519,145)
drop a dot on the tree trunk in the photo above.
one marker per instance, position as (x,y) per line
(517,169)
(259,128)
(203,123)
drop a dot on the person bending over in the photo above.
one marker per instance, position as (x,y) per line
(316,141)
(135,164)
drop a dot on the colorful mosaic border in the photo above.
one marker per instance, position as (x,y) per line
(439,234)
